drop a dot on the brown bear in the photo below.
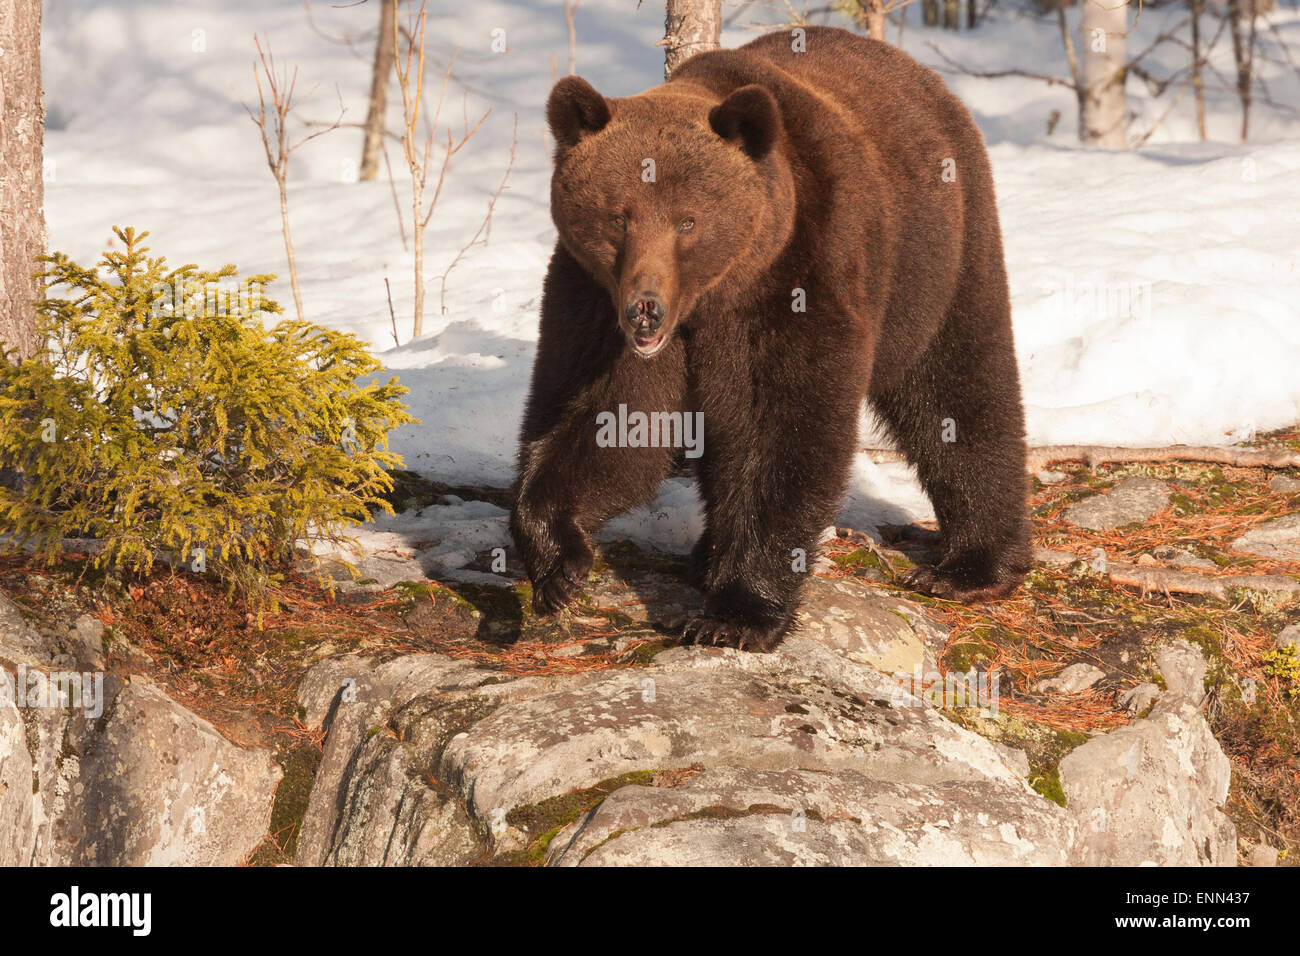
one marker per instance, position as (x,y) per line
(773,236)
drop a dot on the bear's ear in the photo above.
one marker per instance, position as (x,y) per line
(750,115)
(574,110)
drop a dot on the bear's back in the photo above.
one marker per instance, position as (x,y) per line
(829,74)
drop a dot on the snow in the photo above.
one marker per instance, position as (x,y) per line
(446,537)
(1154,292)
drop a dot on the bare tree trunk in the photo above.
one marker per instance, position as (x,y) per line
(930,11)
(1243,52)
(1255,6)
(951,14)
(1072,60)
(373,149)
(874,15)
(22,189)
(417,203)
(972,14)
(690,27)
(1104,117)
(1198,85)
(869,15)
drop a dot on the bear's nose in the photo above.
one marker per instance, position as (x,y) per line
(645,312)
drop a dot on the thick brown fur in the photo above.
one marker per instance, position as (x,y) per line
(775,171)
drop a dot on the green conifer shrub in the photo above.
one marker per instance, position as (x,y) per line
(163,417)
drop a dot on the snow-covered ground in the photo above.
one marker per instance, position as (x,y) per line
(1156,293)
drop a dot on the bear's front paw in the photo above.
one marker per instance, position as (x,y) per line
(717,632)
(558,587)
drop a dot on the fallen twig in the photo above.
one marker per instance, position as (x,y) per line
(1166,580)
(1039,458)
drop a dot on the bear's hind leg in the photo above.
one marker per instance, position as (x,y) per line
(957,416)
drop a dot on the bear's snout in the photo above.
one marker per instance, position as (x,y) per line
(644,316)
(645,312)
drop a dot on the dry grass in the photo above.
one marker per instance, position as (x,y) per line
(181,631)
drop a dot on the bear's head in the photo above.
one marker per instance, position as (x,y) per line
(669,195)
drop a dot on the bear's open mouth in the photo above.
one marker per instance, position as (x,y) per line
(647,345)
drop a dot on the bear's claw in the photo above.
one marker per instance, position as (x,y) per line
(941,584)
(716,632)
(553,593)
(558,589)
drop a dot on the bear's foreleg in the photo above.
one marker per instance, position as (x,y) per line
(570,483)
(571,477)
(771,478)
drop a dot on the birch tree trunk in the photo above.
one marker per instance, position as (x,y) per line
(874,14)
(1103,120)
(1243,53)
(1198,83)
(373,147)
(22,189)
(690,27)
(868,15)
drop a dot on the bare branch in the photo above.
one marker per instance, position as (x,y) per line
(997,74)
(570,14)
(273,126)
(392,315)
(401,226)
(485,227)
(419,151)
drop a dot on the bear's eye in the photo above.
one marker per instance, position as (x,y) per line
(686,225)
(621,222)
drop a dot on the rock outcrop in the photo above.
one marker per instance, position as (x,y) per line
(1276,538)
(115,773)
(1149,794)
(812,755)
(1132,500)
(827,752)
